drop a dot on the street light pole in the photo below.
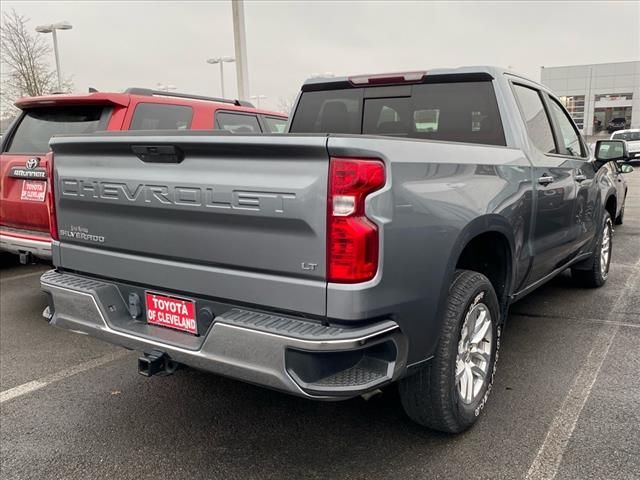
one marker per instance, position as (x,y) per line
(52,30)
(222,78)
(221,61)
(240,42)
(57,57)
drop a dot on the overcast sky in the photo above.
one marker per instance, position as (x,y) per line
(118,44)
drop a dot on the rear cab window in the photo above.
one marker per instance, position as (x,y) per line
(457,111)
(161,116)
(237,122)
(39,124)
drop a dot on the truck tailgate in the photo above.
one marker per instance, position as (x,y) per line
(239,218)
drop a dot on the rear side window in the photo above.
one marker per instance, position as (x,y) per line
(237,123)
(275,124)
(161,116)
(453,111)
(535,117)
(40,124)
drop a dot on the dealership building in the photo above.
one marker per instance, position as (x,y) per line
(596,94)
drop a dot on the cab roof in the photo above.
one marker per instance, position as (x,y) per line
(485,72)
(123,99)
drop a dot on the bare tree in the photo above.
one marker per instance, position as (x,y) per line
(26,70)
(285,104)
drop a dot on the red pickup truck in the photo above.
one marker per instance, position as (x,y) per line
(24,211)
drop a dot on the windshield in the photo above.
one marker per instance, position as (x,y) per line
(40,124)
(452,111)
(628,136)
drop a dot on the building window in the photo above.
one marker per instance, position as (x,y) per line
(575,107)
(614,96)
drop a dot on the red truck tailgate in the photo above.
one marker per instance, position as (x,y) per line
(23,192)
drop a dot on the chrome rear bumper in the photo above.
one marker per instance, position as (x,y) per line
(298,356)
(25,244)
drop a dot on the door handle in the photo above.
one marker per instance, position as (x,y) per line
(580,177)
(545,180)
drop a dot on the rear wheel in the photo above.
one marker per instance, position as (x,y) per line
(594,274)
(449,393)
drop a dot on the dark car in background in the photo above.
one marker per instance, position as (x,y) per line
(618,123)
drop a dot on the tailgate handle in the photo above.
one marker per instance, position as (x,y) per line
(158,153)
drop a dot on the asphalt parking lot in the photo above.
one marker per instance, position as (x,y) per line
(565,402)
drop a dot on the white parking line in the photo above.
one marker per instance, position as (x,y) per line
(18,277)
(34,385)
(547,461)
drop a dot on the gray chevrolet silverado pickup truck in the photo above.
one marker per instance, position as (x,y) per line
(383,239)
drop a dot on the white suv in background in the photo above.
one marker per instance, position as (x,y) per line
(632,137)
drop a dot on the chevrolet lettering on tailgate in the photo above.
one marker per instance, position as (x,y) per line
(181,196)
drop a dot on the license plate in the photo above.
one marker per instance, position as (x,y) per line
(171,312)
(33,190)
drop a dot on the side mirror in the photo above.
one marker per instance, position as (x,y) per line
(611,150)
(626,168)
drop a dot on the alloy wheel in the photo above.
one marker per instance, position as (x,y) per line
(605,249)
(474,352)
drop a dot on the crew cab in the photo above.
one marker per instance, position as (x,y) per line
(24,218)
(382,240)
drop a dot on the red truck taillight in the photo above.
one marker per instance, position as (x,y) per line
(51,205)
(352,239)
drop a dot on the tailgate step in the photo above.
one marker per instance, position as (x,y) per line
(300,329)
(365,372)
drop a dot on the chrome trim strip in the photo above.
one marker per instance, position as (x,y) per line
(40,249)
(347,342)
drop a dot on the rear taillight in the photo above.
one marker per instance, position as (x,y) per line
(352,239)
(51,205)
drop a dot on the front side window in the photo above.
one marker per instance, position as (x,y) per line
(535,118)
(237,123)
(40,124)
(570,138)
(161,116)
(575,106)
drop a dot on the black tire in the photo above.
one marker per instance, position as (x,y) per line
(431,397)
(591,274)
(620,218)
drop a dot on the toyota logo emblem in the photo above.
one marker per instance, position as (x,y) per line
(32,163)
